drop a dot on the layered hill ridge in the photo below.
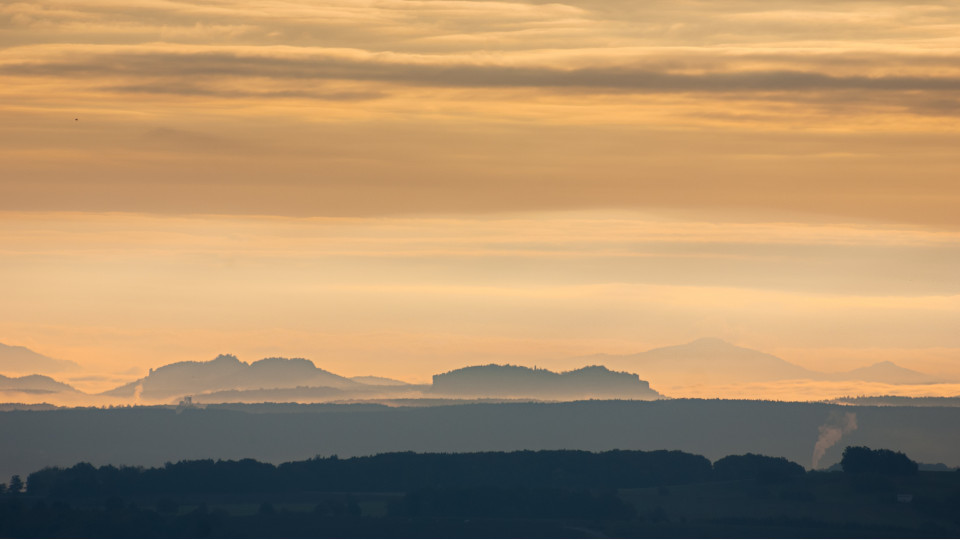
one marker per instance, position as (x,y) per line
(509,381)
(707,361)
(34,384)
(227,372)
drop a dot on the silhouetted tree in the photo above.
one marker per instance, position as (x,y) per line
(753,466)
(16,485)
(860,459)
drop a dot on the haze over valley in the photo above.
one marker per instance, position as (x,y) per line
(707,367)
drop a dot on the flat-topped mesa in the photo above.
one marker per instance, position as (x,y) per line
(495,380)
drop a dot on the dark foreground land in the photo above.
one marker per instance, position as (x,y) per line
(491,494)
(278,433)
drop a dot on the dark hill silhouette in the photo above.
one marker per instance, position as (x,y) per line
(516,381)
(21,360)
(714,361)
(34,384)
(226,372)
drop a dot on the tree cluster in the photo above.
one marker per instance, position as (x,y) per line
(863,460)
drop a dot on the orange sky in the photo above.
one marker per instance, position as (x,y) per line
(402,187)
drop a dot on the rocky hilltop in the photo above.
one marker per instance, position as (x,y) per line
(227,372)
(495,380)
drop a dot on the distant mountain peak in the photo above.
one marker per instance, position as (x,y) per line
(711,342)
(706,360)
(712,360)
(887,372)
(19,359)
(884,363)
(708,346)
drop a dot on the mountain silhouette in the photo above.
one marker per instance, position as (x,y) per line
(21,360)
(886,372)
(522,382)
(227,379)
(714,361)
(34,384)
(706,361)
(227,372)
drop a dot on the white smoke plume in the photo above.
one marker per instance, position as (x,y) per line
(831,432)
(137,391)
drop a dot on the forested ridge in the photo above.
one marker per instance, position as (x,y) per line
(559,493)
(391,472)
(279,433)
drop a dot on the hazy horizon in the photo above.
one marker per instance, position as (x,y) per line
(714,373)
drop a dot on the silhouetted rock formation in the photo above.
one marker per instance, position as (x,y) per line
(227,378)
(226,372)
(517,381)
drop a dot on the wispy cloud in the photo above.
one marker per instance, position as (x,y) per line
(443,72)
(305,108)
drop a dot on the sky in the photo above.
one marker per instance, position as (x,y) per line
(406,187)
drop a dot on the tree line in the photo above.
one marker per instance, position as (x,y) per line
(407,471)
(488,494)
